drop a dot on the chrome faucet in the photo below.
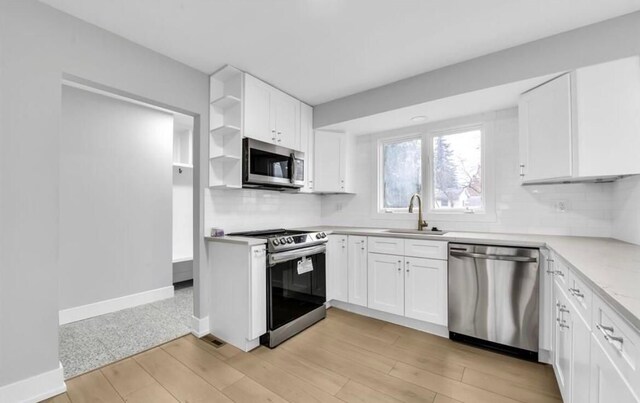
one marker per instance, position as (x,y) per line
(421,222)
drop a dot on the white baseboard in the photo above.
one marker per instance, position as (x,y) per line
(113,305)
(427,327)
(36,388)
(199,326)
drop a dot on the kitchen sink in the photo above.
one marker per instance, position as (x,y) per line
(414,231)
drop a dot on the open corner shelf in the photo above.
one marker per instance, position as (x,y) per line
(225,130)
(225,187)
(225,101)
(225,158)
(226,73)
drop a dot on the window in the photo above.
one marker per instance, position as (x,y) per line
(457,171)
(401,172)
(452,180)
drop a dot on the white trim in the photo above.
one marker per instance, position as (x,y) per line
(112,305)
(438,330)
(199,326)
(36,388)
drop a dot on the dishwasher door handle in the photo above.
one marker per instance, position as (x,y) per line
(509,258)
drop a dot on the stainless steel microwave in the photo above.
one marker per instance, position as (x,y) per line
(271,166)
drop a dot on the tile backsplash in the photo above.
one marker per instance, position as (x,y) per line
(252,209)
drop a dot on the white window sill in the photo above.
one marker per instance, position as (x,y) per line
(431,216)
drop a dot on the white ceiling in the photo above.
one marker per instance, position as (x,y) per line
(319,50)
(471,103)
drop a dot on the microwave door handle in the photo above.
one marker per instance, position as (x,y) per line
(292,163)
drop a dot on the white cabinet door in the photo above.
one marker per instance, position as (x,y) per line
(330,161)
(425,290)
(607,100)
(562,339)
(607,383)
(285,115)
(386,283)
(257,110)
(258,304)
(545,131)
(306,145)
(581,357)
(357,270)
(337,268)
(546,301)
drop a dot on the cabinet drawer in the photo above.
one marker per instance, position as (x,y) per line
(425,249)
(580,295)
(561,272)
(620,341)
(388,246)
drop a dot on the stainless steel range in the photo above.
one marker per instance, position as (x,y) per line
(296,281)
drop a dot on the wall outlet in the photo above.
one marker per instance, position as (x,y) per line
(560,206)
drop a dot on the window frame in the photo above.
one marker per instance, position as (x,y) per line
(426,133)
(380,171)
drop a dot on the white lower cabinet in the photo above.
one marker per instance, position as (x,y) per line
(607,384)
(425,290)
(337,268)
(562,343)
(572,349)
(357,271)
(386,283)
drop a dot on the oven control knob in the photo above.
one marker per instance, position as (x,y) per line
(276,242)
(290,240)
(318,236)
(283,241)
(323,235)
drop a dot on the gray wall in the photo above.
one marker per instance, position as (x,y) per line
(608,40)
(115,198)
(37,46)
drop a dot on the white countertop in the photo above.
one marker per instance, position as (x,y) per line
(610,266)
(237,239)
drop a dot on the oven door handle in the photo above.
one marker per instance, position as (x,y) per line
(280,257)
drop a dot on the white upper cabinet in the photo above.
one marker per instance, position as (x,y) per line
(545,131)
(257,110)
(331,162)
(270,115)
(607,98)
(307,145)
(582,125)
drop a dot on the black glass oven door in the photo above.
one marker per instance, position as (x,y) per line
(292,294)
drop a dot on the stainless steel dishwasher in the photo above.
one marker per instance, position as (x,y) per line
(493,298)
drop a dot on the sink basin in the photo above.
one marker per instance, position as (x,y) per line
(415,231)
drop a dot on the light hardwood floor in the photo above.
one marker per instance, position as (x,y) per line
(344,358)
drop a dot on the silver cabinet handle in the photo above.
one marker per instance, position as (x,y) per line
(279,135)
(550,260)
(522,170)
(563,310)
(551,271)
(608,336)
(273,133)
(576,292)
(559,273)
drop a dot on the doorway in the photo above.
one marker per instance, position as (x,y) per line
(126,228)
